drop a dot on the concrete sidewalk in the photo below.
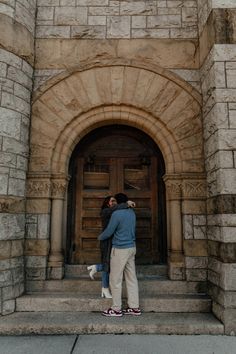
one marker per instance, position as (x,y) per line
(118,344)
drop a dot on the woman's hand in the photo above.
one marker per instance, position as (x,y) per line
(131,204)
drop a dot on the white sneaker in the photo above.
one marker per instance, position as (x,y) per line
(106,293)
(92,270)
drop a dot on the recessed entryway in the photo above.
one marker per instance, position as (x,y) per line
(109,160)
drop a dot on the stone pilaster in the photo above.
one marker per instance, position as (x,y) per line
(187,245)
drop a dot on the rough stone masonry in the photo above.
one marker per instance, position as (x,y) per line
(54,56)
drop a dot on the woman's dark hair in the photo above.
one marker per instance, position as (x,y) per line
(106,201)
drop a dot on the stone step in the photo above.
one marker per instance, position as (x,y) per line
(152,286)
(74,271)
(88,303)
(25,323)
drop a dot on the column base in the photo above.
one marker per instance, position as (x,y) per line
(56,257)
(176,266)
(56,270)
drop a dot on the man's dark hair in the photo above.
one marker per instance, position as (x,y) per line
(121,198)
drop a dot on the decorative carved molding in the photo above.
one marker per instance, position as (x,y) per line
(194,189)
(11,204)
(59,188)
(46,186)
(38,188)
(173,189)
(185,186)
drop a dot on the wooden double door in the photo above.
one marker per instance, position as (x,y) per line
(107,164)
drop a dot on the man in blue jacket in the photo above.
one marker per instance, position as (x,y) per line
(122,225)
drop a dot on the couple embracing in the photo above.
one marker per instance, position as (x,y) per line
(118,250)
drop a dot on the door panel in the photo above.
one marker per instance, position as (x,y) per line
(125,167)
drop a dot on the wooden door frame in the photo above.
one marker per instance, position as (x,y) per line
(71,200)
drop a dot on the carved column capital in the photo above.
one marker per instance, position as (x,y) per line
(59,187)
(173,187)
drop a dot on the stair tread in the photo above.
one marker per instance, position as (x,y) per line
(46,295)
(88,323)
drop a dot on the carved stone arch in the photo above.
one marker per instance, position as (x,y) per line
(108,115)
(165,102)
(135,63)
(129,93)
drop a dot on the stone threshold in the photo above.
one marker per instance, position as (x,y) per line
(25,323)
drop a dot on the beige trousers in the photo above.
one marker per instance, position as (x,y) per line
(123,263)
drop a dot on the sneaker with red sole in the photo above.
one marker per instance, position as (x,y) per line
(130,311)
(112,313)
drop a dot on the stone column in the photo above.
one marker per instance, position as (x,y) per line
(56,257)
(17,21)
(174,220)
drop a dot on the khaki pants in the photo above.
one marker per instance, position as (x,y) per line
(123,263)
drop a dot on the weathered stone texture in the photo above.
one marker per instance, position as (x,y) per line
(217,47)
(37,226)
(225,252)
(195,248)
(119,19)
(14,112)
(15,92)
(22,11)
(218,132)
(62,54)
(194,227)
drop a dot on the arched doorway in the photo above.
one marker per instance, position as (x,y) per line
(109,160)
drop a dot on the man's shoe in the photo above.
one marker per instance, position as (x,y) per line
(130,311)
(112,313)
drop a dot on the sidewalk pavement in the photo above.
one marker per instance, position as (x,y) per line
(118,344)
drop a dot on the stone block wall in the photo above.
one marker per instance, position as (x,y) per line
(206,6)
(117,19)
(37,233)
(195,244)
(15,93)
(15,107)
(219,98)
(21,11)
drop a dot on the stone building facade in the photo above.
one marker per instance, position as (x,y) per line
(165,67)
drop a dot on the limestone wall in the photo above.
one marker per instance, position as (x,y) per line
(217,74)
(22,11)
(117,19)
(16,57)
(17,27)
(219,88)
(205,7)
(195,243)
(15,97)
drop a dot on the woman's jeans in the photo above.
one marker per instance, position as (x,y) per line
(105,275)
